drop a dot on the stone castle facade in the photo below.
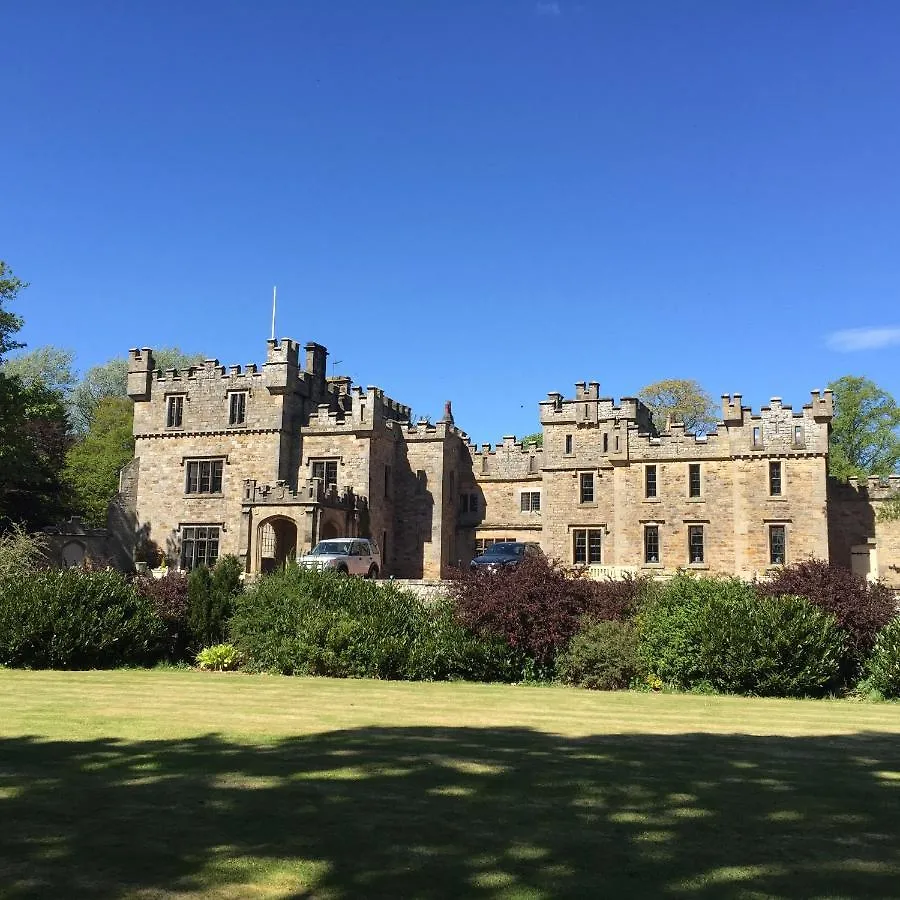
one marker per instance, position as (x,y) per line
(265,461)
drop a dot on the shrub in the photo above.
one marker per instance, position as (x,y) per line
(304,622)
(860,607)
(536,607)
(21,552)
(211,596)
(883,666)
(219,658)
(719,634)
(602,656)
(168,597)
(74,619)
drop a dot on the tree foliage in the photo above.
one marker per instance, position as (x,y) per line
(110,379)
(10,323)
(865,435)
(537,439)
(680,400)
(33,443)
(51,366)
(93,462)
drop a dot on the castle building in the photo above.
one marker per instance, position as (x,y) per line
(265,461)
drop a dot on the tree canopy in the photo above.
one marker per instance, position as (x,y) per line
(865,434)
(110,379)
(10,323)
(680,400)
(51,366)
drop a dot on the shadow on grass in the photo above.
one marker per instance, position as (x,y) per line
(454,812)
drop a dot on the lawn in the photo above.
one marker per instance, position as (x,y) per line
(174,783)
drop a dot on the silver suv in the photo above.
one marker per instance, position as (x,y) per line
(348,556)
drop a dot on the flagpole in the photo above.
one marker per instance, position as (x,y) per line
(274,294)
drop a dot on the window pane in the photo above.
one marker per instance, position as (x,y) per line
(695,543)
(776,545)
(580,538)
(193,477)
(694,477)
(216,483)
(594,546)
(536,501)
(650,481)
(587,487)
(524,502)
(775,478)
(651,544)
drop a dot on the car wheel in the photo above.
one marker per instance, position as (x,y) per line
(342,570)
(373,571)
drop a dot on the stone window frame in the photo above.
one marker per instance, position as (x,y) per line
(581,488)
(237,417)
(654,526)
(770,528)
(645,478)
(183,528)
(695,467)
(692,528)
(187,461)
(589,532)
(324,460)
(757,439)
(569,447)
(772,466)
(175,410)
(528,506)
(798,437)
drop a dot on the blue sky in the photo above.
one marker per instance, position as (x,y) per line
(480,201)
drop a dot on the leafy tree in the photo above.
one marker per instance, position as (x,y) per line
(33,443)
(9,322)
(865,435)
(537,439)
(52,366)
(93,462)
(680,400)
(110,379)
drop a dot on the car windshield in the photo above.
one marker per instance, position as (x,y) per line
(332,548)
(505,550)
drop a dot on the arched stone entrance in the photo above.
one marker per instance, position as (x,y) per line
(329,530)
(276,542)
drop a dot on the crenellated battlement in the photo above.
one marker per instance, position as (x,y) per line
(588,408)
(509,459)
(876,487)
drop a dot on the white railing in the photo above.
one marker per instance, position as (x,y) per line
(602,573)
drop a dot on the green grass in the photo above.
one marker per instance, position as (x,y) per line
(178,783)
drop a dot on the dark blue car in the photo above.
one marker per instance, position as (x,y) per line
(504,555)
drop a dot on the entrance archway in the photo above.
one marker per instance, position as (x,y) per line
(329,530)
(277,543)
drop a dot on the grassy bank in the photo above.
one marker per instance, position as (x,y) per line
(149,784)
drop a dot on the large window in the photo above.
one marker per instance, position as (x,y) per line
(204,476)
(651,543)
(694,480)
(468,503)
(174,411)
(325,470)
(199,546)
(587,545)
(777,545)
(530,501)
(237,408)
(586,487)
(775,479)
(695,544)
(650,481)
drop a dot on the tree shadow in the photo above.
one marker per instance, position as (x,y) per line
(453,812)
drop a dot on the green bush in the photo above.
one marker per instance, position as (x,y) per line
(709,633)
(219,658)
(603,656)
(883,666)
(211,596)
(311,623)
(74,619)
